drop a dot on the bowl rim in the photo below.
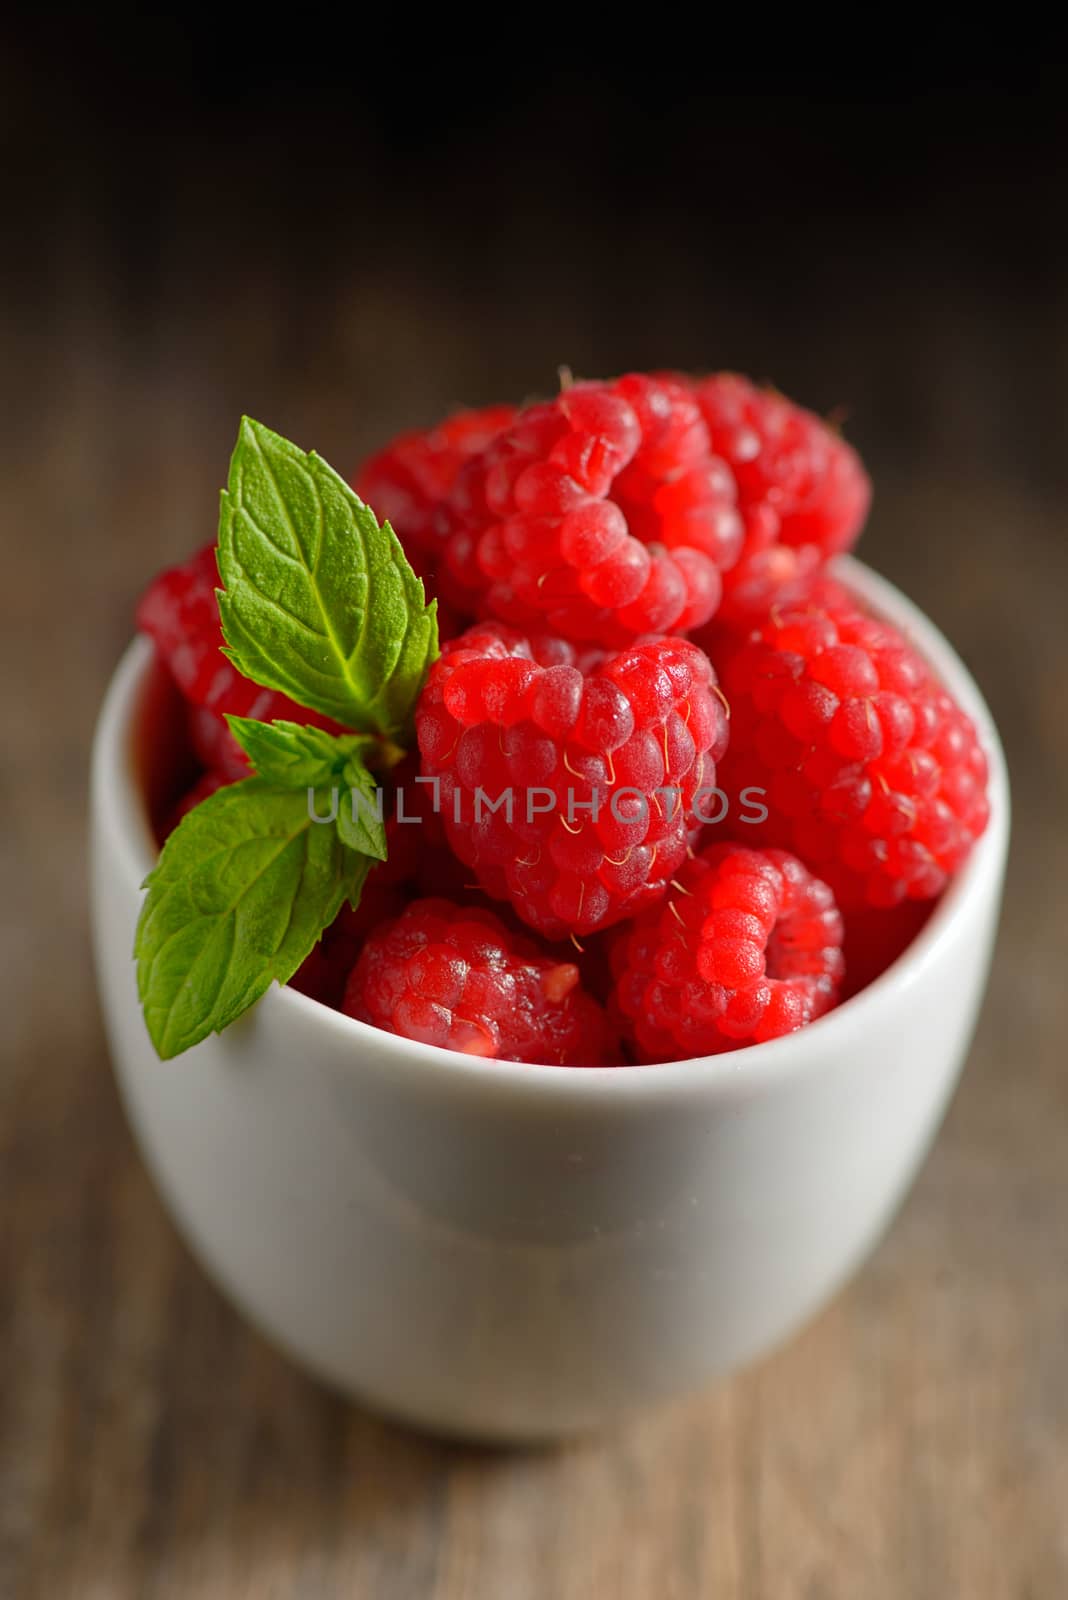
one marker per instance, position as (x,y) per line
(117,801)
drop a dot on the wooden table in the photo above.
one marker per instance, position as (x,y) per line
(913,1441)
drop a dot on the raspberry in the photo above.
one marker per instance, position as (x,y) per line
(802,491)
(408,478)
(873,774)
(748,949)
(180,614)
(452,976)
(595,763)
(598,516)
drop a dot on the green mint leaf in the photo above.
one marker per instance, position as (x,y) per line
(243,889)
(293,754)
(360,821)
(319,600)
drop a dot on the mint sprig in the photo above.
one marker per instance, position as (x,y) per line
(320,602)
(319,599)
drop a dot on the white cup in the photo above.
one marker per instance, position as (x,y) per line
(518,1252)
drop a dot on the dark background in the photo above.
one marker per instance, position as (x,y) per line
(344,240)
(411,236)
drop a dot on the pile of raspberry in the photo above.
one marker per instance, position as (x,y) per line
(676,792)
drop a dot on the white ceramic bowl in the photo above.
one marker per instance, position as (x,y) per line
(520,1252)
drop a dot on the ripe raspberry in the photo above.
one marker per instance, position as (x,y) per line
(408,478)
(451,976)
(598,516)
(873,774)
(180,613)
(750,948)
(595,763)
(802,490)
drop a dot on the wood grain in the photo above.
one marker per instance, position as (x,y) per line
(913,1441)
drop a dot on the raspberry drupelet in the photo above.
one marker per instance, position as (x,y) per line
(180,613)
(599,516)
(873,774)
(747,947)
(803,493)
(457,977)
(601,761)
